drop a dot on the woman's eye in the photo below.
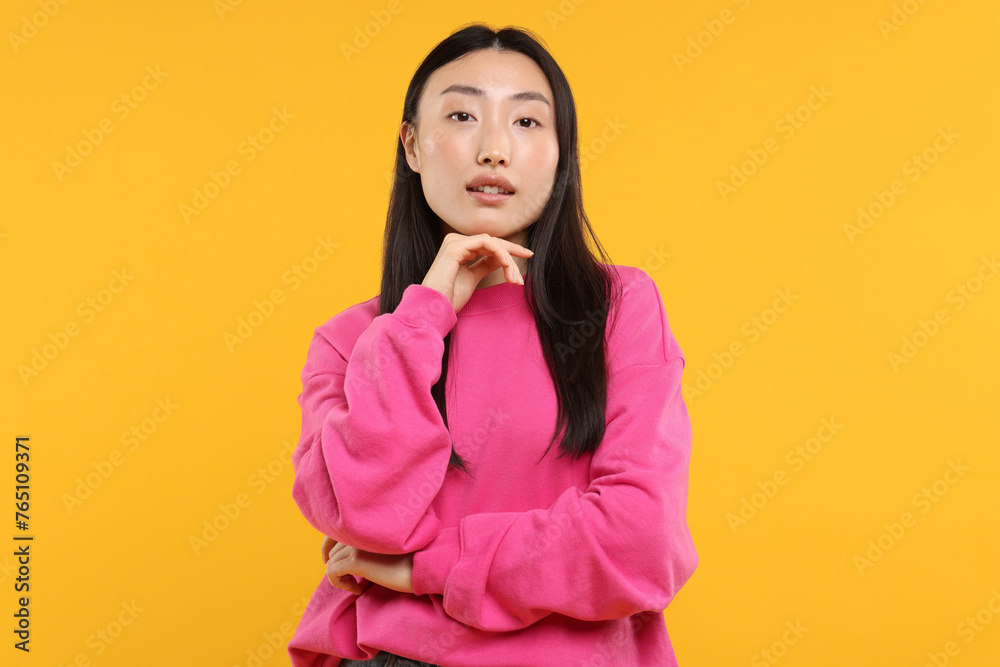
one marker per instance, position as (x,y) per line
(463,113)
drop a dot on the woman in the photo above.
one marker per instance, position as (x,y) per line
(455,536)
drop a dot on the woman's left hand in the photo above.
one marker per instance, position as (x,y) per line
(393,571)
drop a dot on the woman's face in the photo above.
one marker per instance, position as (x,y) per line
(470,123)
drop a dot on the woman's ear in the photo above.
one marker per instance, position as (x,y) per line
(409,139)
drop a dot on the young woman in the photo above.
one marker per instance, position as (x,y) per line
(455,534)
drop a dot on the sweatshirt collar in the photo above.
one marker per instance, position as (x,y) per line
(495,297)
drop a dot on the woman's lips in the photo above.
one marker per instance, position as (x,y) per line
(489,198)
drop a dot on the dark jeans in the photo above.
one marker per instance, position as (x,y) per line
(385,659)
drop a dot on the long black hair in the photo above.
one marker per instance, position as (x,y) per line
(568,290)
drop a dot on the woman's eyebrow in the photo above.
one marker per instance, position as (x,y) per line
(479,92)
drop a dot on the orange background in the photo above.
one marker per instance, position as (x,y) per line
(837,365)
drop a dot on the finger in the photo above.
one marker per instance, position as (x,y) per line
(347,583)
(515,271)
(483,264)
(488,265)
(324,548)
(340,574)
(338,555)
(509,249)
(479,239)
(511,272)
(336,570)
(494,249)
(517,249)
(339,547)
(486,249)
(472,262)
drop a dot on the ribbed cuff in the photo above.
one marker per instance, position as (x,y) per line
(433,563)
(423,306)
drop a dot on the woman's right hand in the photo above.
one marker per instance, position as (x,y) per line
(348,582)
(464,260)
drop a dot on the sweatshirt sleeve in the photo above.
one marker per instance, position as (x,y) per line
(619,547)
(371,431)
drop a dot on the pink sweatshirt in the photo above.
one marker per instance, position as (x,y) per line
(559,562)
